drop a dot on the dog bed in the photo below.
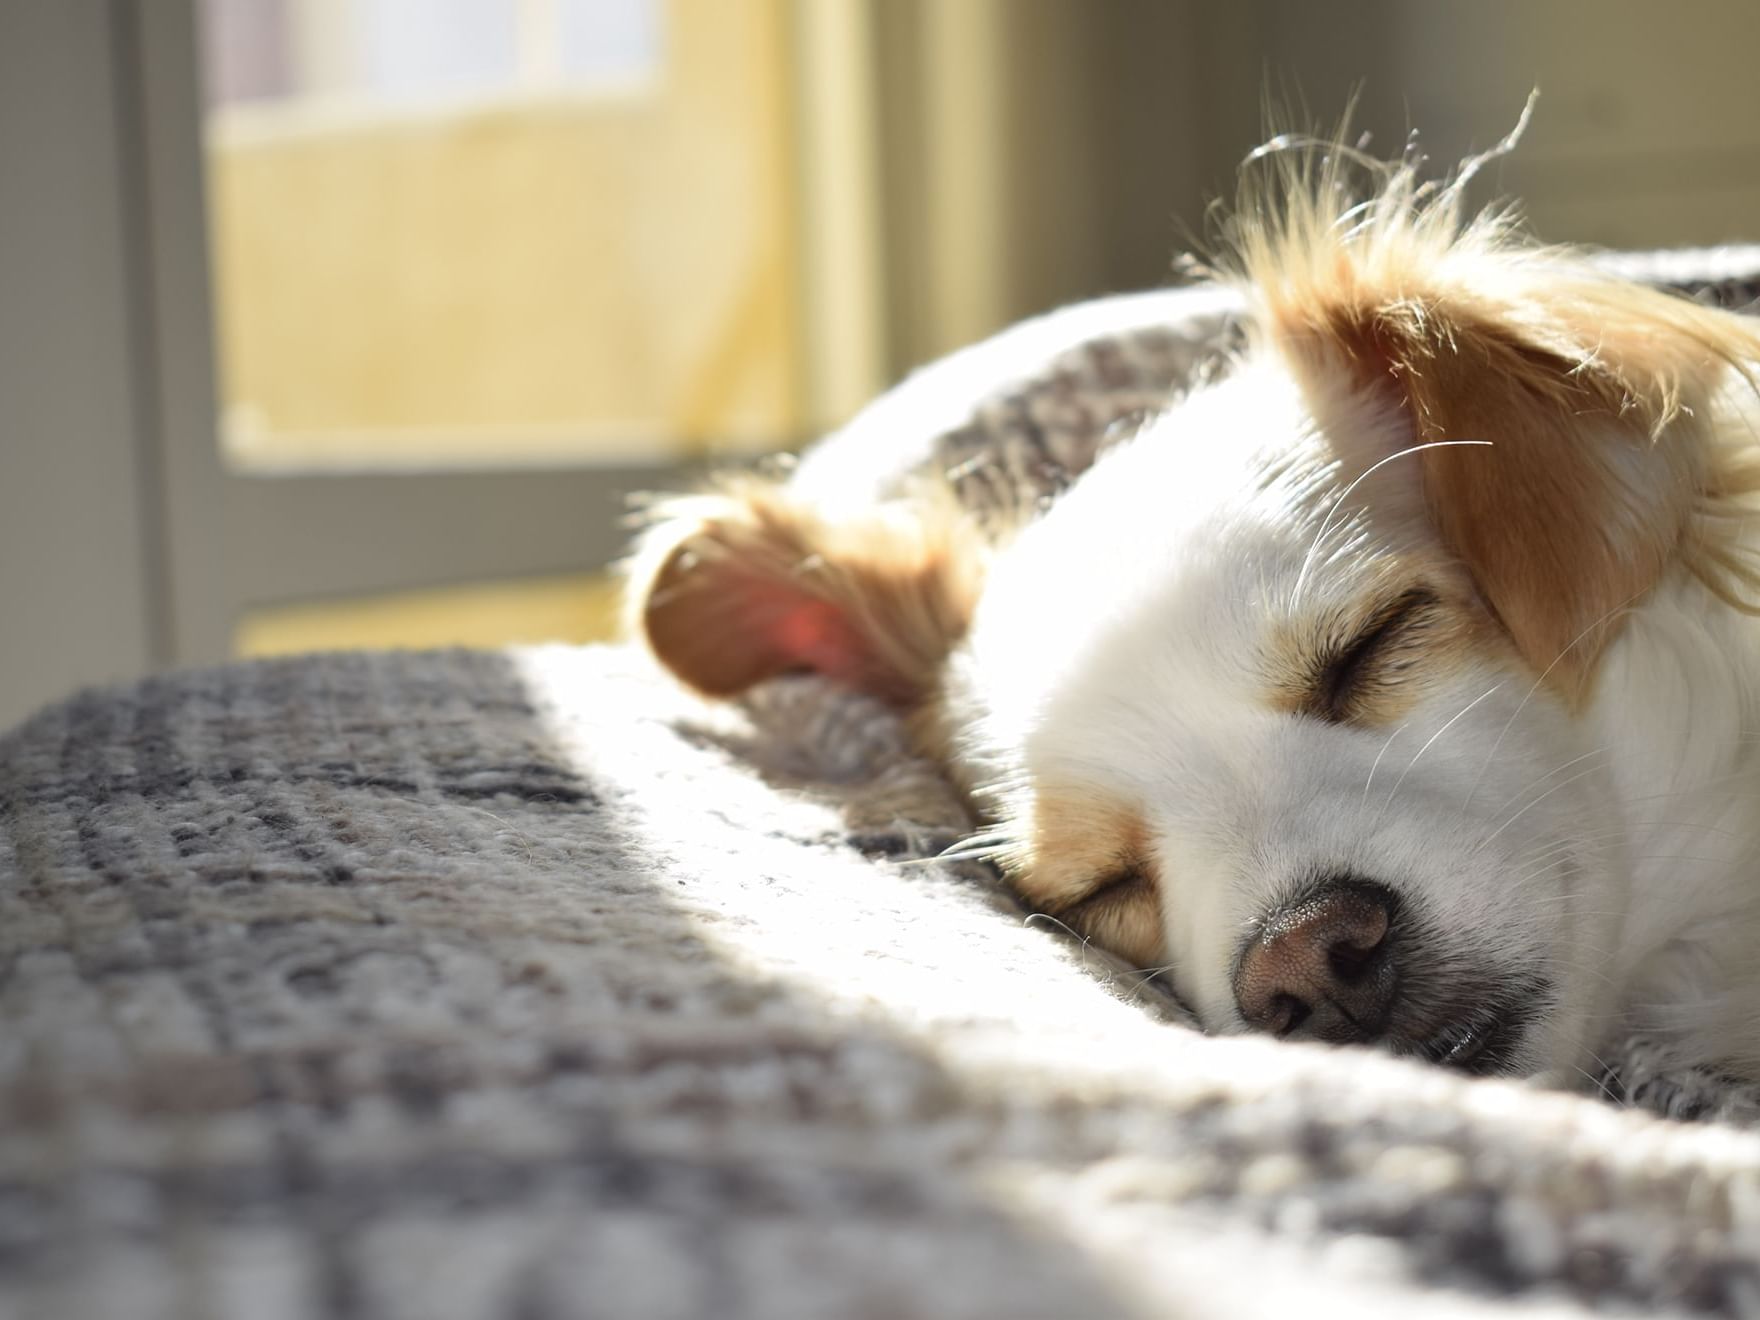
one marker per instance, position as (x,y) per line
(522,984)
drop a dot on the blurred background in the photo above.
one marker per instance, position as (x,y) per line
(334,323)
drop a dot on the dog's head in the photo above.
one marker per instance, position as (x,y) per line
(1293,693)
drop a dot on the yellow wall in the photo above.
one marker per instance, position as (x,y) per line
(572,608)
(530,279)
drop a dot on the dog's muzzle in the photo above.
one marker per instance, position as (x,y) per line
(1343,964)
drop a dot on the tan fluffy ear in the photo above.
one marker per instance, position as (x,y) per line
(1614,447)
(749,582)
(1595,397)
(1580,503)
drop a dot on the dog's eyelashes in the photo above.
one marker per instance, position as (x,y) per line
(1122,911)
(1124,881)
(1381,649)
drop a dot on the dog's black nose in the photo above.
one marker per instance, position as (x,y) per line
(1321,968)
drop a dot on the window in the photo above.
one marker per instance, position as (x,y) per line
(469,232)
(473,271)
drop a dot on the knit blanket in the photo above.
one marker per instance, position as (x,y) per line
(522,984)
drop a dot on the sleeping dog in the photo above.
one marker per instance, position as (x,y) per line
(1397,685)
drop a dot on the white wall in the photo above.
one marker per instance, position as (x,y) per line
(75,572)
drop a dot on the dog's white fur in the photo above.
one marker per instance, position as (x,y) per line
(1551,757)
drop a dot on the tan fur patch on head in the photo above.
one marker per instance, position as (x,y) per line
(1085,859)
(1370,662)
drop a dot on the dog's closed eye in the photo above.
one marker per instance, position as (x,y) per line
(1121,912)
(1352,675)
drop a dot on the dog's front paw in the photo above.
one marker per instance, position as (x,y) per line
(1646,1073)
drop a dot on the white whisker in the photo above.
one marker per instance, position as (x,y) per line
(1432,742)
(1531,785)
(1544,675)
(1326,522)
(1378,755)
(1492,838)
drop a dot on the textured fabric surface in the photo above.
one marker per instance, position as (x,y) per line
(523,985)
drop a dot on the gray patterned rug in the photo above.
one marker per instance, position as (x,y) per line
(523,985)
(468,985)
